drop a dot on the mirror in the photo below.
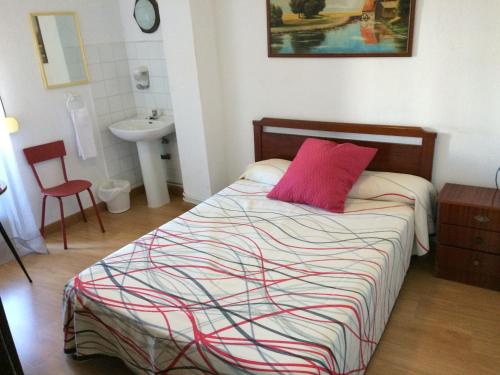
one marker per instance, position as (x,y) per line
(147,15)
(60,49)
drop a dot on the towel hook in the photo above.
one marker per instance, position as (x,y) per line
(74,101)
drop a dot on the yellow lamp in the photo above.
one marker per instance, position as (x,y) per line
(11,124)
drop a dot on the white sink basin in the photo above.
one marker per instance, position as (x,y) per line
(143,129)
(147,134)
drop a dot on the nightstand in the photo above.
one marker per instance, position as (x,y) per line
(468,248)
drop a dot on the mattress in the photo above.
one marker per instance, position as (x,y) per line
(245,285)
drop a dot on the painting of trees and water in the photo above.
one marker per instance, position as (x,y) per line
(340,28)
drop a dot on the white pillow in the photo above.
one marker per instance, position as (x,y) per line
(266,171)
(405,188)
(393,187)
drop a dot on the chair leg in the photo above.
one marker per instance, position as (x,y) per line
(96,210)
(63,226)
(81,207)
(42,229)
(14,252)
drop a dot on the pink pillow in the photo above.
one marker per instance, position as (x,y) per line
(322,174)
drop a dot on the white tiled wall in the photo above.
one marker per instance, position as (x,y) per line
(114,101)
(151,55)
(116,98)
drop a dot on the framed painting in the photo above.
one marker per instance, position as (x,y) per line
(340,28)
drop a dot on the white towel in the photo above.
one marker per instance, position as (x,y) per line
(84,132)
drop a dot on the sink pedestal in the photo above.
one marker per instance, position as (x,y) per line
(147,133)
(153,173)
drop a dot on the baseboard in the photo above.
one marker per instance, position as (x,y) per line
(191,200)
(74,218)
(138,190)
(174,190)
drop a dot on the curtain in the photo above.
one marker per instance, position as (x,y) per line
(15,211)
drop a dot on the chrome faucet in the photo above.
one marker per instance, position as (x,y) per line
(155,114)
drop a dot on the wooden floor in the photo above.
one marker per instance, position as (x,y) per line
(437,326)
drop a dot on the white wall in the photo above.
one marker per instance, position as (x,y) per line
(451,85)
(189,41)
(209,81)
(41,112)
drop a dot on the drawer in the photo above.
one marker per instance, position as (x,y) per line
(469,238)
(468,266)
(480,218)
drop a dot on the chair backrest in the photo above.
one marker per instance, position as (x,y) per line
(47,151)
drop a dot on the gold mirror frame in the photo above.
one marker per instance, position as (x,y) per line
(34,28)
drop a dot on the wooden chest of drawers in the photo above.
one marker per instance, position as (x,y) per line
(469,235)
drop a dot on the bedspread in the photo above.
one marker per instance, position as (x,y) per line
(245,285)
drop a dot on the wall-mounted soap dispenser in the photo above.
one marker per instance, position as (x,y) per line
(141,77)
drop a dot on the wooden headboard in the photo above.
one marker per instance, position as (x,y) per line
(401,149)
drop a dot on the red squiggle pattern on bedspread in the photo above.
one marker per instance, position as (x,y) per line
(243,285)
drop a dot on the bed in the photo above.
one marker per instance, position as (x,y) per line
(245,285)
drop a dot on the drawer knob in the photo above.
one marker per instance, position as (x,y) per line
(482,218)
(478,240)
(476,263)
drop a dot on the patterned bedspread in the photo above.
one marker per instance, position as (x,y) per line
(245,285)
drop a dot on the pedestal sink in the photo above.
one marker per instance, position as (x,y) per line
(147,134)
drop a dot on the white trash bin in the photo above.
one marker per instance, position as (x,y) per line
(116,194)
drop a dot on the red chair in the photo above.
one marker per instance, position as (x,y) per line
(49,151)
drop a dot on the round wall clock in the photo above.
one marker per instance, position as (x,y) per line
(147,15)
